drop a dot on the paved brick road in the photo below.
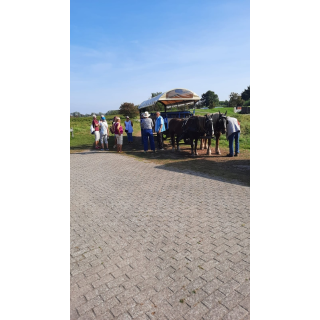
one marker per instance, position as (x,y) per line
(151,243)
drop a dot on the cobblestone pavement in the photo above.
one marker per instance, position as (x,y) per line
(151,243)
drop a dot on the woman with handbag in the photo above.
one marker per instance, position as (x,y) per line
(112,131)
(96,127)
(118,130)
(129,129)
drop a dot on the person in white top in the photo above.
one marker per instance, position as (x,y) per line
(233,133)
(129,129)
(104,132)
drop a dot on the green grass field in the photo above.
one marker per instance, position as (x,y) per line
(84,140)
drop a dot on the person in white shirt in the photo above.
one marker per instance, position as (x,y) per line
(104,132)
(147,133)
(129,129)
(233,133)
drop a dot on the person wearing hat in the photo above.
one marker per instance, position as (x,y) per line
(95,124)
(146,126)
(129,129)
(104,132)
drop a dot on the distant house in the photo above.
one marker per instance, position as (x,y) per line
(245,110)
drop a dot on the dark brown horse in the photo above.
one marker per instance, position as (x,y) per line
(176,129)
(219,125)
(194,128)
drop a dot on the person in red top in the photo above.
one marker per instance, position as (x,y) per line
(118,131)
(95,124)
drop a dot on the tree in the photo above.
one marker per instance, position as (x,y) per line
(112,112)
(209,99)
(235,100)
(129,109)
(245,95)
(199,104)
(158,106)
(155,94)
(224,103)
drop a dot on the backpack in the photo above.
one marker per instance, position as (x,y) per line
(112,129)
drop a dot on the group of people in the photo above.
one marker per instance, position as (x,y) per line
(101,132)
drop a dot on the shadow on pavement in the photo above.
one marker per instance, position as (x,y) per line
(231,171)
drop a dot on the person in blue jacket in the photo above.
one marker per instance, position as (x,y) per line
(159,128)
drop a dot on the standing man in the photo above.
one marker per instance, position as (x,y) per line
(233,133)
(95,124)
(146,126)
(159,128)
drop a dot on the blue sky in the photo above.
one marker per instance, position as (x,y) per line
(121,51)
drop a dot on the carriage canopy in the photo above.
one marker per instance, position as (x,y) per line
(174,97)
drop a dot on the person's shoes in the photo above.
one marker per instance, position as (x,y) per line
(102,150)
(229,155)
(107,149)
(236,154)
(97,148)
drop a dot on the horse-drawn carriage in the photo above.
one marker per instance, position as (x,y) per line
(169,99)
(194,128)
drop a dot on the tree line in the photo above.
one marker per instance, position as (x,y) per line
(208,100)
(211,100)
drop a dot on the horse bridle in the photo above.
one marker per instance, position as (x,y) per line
(207,120)
(221,117)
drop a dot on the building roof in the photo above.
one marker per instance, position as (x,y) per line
(172,97)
